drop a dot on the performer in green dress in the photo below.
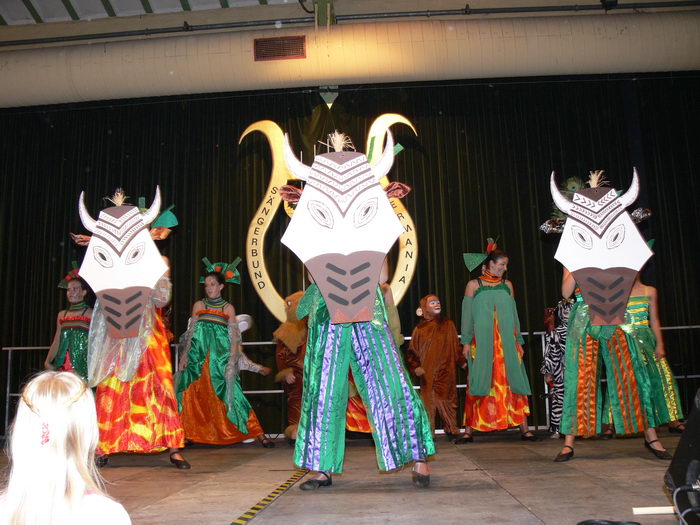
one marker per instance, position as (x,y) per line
(68,350)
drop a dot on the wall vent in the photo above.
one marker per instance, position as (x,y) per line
(280,48)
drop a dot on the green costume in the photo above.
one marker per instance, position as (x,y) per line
(73,341)
(400,426)
(641,339)
(213,334)
(628,384)
(478,315)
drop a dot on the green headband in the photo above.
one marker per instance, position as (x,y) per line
(473,260)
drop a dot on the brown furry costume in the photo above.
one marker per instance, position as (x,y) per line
(435,348)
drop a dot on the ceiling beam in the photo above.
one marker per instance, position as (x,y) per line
(32,11)
(71,10)
(108,8)
(147,6)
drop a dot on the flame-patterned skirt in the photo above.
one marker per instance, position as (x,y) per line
(501,408)
(141,415)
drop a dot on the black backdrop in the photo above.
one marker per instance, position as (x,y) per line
(479,167)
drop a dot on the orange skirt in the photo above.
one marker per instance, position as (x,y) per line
(356,414)
(204,415)
(502,408)
(141,415)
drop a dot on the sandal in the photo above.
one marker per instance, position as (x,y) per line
(676,429)
(565,456)
(421,481)
(529,436)
(314,484)
(660,454)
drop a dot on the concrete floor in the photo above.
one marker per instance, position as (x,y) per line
(496,479)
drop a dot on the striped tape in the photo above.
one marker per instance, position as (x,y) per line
(272,496)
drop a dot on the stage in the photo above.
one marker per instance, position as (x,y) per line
(496,479)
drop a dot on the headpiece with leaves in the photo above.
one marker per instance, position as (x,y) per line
(70,276)
(228,270)
(474,260)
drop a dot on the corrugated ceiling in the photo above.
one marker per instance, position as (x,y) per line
(21,12)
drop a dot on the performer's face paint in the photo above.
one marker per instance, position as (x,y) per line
(212,287)
(75,292)
(432,307)
(498,267)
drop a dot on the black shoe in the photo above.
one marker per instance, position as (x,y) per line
(451,437)
(101,460)
(292,442)
(266,443)
(529,436)
(566,456)
(314,484)
(421,481)
(678,429)
(660,454)
(181,464)
(466,438)
(607,435)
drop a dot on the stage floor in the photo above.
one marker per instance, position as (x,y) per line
(496,479)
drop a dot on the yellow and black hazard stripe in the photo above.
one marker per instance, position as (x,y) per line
(272,496)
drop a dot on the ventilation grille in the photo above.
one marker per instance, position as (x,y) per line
(280,48)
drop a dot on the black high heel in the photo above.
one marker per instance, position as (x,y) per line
(530,437)
(181,464)
(421,481)
(266,443)
(660,454)
(314,484)
(678,429)
(565,456)
(467,437)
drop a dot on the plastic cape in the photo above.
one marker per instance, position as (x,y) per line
(477,323)
(122,356)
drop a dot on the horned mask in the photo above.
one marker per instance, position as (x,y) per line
(344,225)
(601,246)
(122,263)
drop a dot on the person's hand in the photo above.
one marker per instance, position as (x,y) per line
(465,350)
(419,371)
(265,371)
(290,378)
(660,352)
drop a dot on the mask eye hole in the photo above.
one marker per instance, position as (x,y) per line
(102,256)
(582,237)
(321,213)
(615,236)
(136,253)
(365,212)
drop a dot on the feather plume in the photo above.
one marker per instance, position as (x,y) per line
(596,179)
(119,197)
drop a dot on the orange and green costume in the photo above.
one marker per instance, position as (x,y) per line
(498,384)
(588,349)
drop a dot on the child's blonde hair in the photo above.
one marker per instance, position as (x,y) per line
(52,451)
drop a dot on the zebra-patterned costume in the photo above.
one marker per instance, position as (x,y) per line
(553,363)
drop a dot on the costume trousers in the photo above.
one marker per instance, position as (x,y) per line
(400,426)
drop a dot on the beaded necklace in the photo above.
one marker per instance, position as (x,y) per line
(74,307)
(488,277)
(219,302)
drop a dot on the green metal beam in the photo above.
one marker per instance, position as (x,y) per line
(224,3)
(262,2)
(146,6)
(71,10)
(32,11)
(185,5)
(2,21)
(108,8)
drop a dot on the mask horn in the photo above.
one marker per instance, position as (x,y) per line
(562,202)
(150,215)
(633,192)
(298,168)
(89,223)
(382,167)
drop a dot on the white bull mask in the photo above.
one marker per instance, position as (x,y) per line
(601,246)
(343,225)
(122,263)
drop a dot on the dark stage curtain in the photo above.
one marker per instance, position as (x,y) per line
(479,167)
